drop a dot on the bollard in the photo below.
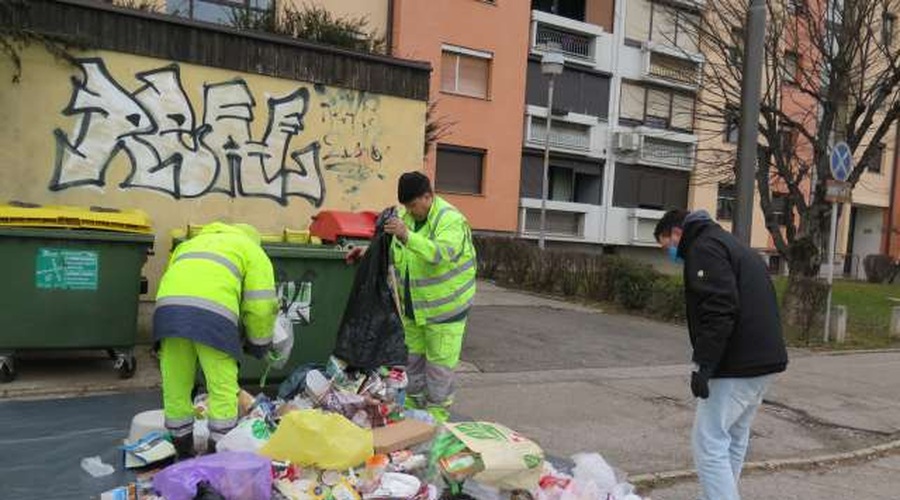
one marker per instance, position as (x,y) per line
(839,324)
(895,322)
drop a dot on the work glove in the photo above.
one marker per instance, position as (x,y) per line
(700,383)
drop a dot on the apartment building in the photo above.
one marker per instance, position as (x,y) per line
(622,136)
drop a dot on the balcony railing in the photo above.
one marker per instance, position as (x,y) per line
(671,69)
(669,153)
(563,134)
(560,223)
(571,44)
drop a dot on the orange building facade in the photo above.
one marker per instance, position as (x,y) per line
(478,51)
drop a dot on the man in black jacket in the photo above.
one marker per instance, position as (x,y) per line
(735,332)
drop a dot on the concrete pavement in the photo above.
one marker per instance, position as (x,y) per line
(875,480)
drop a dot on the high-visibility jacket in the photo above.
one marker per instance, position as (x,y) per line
(436,266)
(218,288)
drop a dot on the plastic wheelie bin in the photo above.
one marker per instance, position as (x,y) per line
(67,287)
(313,283)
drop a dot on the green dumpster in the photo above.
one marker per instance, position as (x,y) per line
(70,289)
(314,282)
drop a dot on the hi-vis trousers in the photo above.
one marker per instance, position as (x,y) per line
(178,364)
(434,352)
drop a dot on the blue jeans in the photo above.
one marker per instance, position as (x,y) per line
(722,433)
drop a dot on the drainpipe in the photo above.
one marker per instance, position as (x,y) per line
(389,35)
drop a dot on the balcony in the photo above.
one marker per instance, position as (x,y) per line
(577,41)
(671,67)
(564,135)
(668,69)
(657,148)
(565,221)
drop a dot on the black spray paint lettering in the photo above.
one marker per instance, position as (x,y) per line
(350,145)
(156,128)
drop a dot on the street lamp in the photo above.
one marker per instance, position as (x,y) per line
(551,66)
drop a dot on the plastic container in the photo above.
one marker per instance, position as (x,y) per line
(72,288)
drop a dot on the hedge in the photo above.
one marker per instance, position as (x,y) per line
(633,285)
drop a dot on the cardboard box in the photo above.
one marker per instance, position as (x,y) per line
(402,435)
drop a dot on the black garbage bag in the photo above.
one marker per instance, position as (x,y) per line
(371,332)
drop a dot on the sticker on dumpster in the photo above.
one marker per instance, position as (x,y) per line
(66,269)
(295,299)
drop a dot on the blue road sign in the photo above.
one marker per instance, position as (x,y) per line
(841,162)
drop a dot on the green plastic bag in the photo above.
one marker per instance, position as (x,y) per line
(324,440)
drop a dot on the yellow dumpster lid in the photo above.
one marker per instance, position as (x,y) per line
(17,214)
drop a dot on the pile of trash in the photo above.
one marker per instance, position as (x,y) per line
(338,434)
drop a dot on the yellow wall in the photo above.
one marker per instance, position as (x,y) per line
(56,145)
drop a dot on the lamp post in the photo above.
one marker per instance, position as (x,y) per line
(551,66)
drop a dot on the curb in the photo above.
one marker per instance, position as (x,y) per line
(73,392)
(657,479)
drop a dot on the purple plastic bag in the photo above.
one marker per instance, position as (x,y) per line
(237,475)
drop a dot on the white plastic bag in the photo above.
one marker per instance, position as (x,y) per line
(591,468)
(95,467)
(250,435)
(282,340)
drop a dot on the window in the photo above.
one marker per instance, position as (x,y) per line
(725,202)
(780,208)
(220,11)
(790,65)
(732,125)
(887,29)
(736,50)
(655,107)
(459,170)
(465,72)
(572,9)
(638,186)
(797,7)
(637,20)
(786,137)
(632,104)
(874,165)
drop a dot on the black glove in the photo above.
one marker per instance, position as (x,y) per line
(700,383)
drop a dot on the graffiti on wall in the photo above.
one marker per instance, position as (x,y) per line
(351,147)
(172,150)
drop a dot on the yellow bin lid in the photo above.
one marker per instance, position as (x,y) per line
(58,216)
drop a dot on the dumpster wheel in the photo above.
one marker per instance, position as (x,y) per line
(126,365)
(7,370)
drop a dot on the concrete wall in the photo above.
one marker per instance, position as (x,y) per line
(494,124)
(94,134)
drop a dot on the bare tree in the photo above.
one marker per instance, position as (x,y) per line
(831,72)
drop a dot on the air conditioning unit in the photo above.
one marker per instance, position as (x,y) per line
(628,141)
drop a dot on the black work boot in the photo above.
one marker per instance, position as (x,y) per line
(184,447)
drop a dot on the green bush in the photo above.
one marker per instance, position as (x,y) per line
(633,284)
(667,299)
(603,278)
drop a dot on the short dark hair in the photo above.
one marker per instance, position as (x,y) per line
(669,221)
(411,186)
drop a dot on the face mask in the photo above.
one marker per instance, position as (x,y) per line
(672,252)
